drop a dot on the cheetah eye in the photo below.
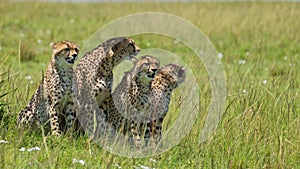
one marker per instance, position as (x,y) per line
(67,49)
(76,50)
(146,65)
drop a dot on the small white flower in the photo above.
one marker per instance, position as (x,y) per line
(78,161)
(176,41)
(242,62)
(117,165)
(22,35)
(48,31)
(264,82)
(39,41)
(220,56)
(148,44)
(285,57)
(109,148)
(245,91)
(22,149)
(247,53)
(34,149)
(4,141)
(81,162)
(28,77)
(72,20)
(152,160)
(145,167)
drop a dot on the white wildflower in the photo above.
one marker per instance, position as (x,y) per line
(285,57)
(145,167)
(220,56)
(148,44)
(72,20)
(78,161)
(264,82)
(22,35)
(4,141)
(245,91)
(117,165)
(242,62)
(176,41)
(34,149)
(39,41)
(22,149)
(28,77)
(48,31)
(109,148)
(152,160)
(247,53)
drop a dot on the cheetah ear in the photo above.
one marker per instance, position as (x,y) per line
(52,44)
(135,61)
(120,44)
(181,74)
(183,69)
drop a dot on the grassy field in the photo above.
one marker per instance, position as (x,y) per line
(260,43)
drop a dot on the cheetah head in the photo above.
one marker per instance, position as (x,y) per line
(174,73)
(146,68)
(65,52)
(124,48)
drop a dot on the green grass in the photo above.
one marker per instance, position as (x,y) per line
(260,127)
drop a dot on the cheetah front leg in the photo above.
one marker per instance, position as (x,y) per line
(69,112)
(155,132)
(26,116)
(54,119)
(136,134)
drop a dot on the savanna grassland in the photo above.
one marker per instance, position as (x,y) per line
(260,45)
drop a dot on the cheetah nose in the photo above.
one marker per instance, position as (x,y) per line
(74,55)
(137,49)
(154,70)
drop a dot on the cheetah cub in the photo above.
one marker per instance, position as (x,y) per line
(168,78)
(141,101)
(53,102)
(131,98)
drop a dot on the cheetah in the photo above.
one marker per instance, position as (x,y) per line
(131,96)
(141,101)
(94,78)
(53,102)
(168,78)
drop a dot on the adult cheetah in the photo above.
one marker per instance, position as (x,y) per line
(53,100)
(94,78)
